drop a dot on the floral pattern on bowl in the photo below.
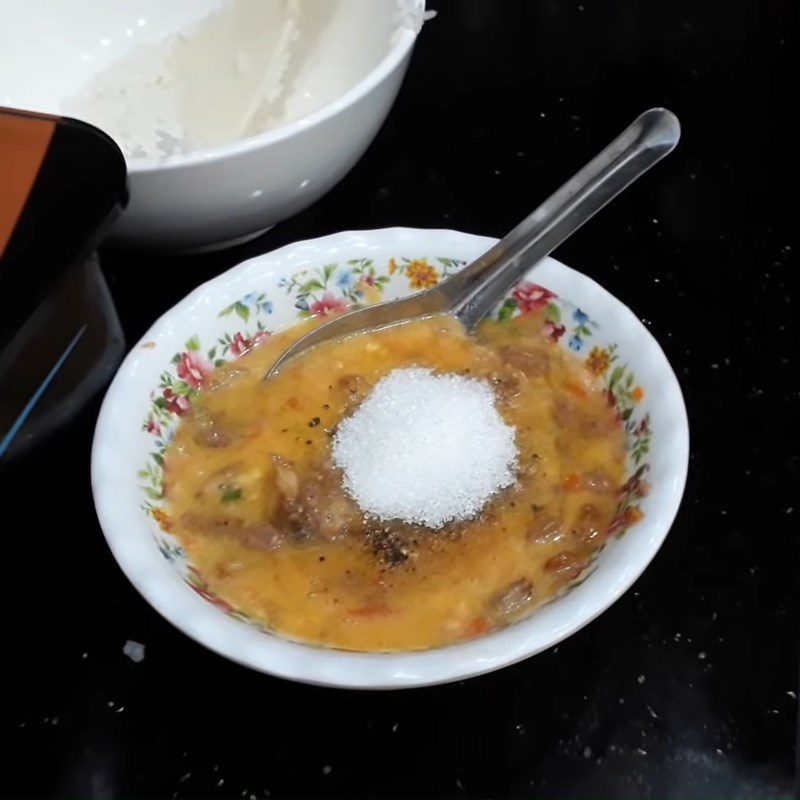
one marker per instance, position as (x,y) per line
(335,288)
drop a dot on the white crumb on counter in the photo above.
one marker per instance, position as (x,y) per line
(134,650)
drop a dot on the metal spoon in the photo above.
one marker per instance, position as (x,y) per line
(471,293)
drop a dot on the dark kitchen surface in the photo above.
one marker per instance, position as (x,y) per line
(687,686)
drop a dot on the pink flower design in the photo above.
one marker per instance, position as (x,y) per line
(240,345)
(193,369)
(153,427)
(635,486)
(176,403)
(532,297)
(627,517)
(618,525)
(197,582)
(328,305)
(552,331)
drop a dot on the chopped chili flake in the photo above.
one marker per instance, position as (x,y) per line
(575,390)
(478,627)
(634,514)
(369,612)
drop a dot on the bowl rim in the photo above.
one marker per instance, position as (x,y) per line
(398,51)
(158,583)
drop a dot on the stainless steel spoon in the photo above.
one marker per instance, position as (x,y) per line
(471,293)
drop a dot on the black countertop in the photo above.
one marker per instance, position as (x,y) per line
(686,686)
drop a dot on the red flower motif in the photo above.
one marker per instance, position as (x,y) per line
(552,331)
(618,524)
(368,280)
(328,305)
(176,403)
(627,517)
(635,487)
(531,297)
(153,427)
(240,345)
(197,583)
(193,369)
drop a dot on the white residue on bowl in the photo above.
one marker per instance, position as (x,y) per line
(248,67)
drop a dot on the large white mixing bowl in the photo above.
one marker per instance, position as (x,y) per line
(50,49)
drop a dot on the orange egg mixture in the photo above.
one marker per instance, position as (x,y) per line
(255,500)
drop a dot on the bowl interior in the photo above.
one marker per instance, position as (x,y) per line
(271,292)
(86,52)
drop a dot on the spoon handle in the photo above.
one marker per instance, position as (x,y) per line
(471,293)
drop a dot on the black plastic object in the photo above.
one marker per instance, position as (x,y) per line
(62,183)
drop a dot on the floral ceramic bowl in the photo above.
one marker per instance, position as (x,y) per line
(221,319)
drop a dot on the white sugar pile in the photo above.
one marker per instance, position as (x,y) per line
(425,448)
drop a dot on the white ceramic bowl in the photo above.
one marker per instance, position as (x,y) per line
(268,292)
(50,50)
